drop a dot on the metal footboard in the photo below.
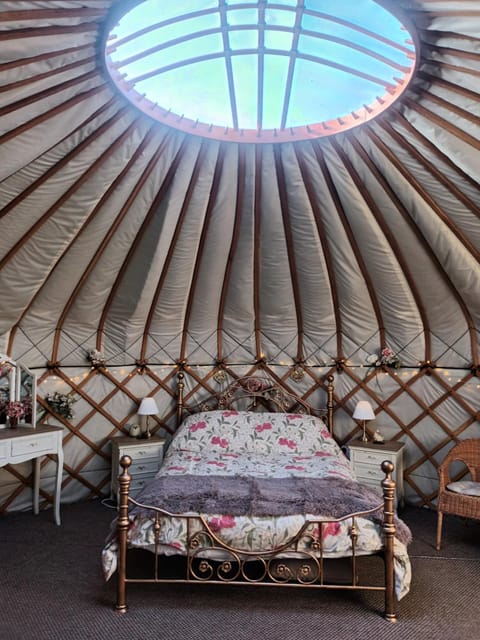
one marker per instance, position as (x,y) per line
(299,562)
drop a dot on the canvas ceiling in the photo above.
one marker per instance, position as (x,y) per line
(157,247)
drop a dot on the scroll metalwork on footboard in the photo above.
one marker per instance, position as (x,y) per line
(300,562)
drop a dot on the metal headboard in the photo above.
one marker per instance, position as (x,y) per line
(256,393)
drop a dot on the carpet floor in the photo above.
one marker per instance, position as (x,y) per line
(52,588)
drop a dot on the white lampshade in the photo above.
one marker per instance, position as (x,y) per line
(148,407)
(363,411)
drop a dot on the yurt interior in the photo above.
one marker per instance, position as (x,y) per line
(240,328)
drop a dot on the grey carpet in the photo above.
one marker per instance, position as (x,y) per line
(52,588)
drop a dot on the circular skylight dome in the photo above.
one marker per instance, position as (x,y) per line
(261,71)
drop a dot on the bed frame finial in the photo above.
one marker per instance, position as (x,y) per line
(180,391)
(388,486)
(124,480)
(330,389)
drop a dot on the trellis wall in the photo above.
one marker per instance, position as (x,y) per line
(428,409)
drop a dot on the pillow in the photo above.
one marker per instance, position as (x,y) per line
(250,432)
(466,487)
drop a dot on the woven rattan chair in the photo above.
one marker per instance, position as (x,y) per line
(459,498)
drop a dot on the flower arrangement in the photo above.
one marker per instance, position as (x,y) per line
(96,357)
(15,409)
(61,403)
(387,358)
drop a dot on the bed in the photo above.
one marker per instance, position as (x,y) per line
(255,490)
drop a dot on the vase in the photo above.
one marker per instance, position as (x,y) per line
(13,421)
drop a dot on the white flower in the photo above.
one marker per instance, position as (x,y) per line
(96,357)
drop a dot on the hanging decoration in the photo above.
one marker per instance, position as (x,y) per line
(387,359)
(297,373)
(96,358)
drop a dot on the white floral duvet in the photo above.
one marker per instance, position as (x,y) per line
(269,445)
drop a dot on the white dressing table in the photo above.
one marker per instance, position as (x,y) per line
(28,443)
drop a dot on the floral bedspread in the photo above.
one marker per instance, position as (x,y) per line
(263,445)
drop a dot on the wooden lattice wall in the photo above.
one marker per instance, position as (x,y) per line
(427,408)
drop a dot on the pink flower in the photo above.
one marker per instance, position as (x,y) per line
(263,427)
(229,414)
(194,458)
(14,409)
(294,416)
(177,545)
(222,442)
(330,529)
(230,455)
(197,426)
(321,454)
(176,468)
(294,467)
(300,458)
(287,443)
(224,522)
(216,464)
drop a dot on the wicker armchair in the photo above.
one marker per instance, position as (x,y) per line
(459,498)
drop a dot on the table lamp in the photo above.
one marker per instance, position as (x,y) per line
(363,411)
(148,407)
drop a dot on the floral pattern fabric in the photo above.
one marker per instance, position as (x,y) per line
(243,432)
(262,445)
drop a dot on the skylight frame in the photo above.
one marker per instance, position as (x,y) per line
(392,89)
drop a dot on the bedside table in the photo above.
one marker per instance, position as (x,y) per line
(146,455)
(367,458)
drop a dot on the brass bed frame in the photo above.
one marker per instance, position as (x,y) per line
(298,563)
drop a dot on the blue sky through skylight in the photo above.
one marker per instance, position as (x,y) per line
(187,71)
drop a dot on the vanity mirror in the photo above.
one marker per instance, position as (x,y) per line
(7,386)
(18,385)
(26,392)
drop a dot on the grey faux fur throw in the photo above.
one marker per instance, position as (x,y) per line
(256,496)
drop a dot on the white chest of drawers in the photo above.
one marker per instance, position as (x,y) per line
(367,459)
(28,443)
(146,455)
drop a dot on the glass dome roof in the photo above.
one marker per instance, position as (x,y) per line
(260,71)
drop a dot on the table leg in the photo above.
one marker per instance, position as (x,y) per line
(58,484)
(36,485)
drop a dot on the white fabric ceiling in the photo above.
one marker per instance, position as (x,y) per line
(151,244)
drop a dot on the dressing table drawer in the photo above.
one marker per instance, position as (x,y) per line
(5,449)
(33,444)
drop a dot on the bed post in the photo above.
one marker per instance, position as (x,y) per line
(330,403)
(122,528)
(388,486)
(180,388)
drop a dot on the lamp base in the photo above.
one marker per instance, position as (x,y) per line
(145,436)
(364,435)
